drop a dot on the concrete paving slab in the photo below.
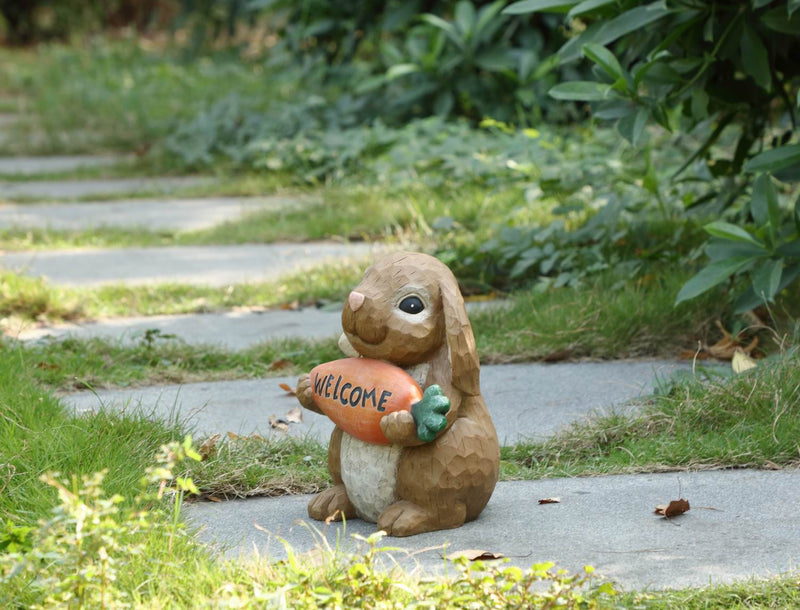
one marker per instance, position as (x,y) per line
(149,214)
(742,523)
(76,189)
(527,401)
(206,265)
(29,166)
(8,118)
(231,329)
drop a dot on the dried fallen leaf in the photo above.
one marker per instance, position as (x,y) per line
(233,436)
(288,389)
(673,509)
(292,306)
(295,416)
(213,499)
(742,362)
(278,424)
(475,555)
(726,347)
(550,501)
(209,447)
(281,363)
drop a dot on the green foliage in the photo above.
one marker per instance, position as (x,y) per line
(685,64)
(768,253)
(472,62)
(717,68)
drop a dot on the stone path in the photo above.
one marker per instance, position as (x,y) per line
(150,214)
(206,265)
(527,401)
(77,189)
(742,523)
(29,166)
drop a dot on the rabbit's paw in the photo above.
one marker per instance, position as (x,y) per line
(332,503)
(399,428)
(305,393)
(405,518)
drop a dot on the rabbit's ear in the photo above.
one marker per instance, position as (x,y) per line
(463,352)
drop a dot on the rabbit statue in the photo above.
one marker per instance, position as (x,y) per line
(408,311)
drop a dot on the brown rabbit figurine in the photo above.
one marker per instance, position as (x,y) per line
(408,311)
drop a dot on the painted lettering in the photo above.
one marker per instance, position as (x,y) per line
(382,401)
(319,383)
(368,394)
(328,386)
(336,389)
(342,398)
(355,396)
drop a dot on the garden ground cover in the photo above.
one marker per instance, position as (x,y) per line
(457,229)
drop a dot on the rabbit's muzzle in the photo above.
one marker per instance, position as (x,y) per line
(360,318)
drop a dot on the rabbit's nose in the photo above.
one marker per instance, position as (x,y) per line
(355,300)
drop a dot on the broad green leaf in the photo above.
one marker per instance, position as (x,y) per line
(780,20)
(464,16)
(766,278)
(445,26)
(608,31)
(797,213)
(605,59)
(581,90)
(485,17)
(710,276)
(496,60)
(725,230)
(632,126)
(613,109)
(759,3)
(587,6)
(764,204)
(718,249)
(533,6)
(399,70)
(792,6)
(755,59)
(774,159)
(699,103)
(790,249)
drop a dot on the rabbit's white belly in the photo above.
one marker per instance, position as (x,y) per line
(369,473)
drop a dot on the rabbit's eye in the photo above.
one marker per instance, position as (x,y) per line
(411,305)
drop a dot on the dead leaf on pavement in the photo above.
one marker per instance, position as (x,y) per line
(673,509)
(295,416)
(278,424)
(550,501)
(292,306)
(288,389)
(209,447)
(281,363)
(741,362)
(475,555)
(232,436)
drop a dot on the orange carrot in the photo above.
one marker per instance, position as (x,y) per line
(355,393)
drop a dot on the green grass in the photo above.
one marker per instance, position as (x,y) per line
(128,93)
(38,436)
(750,420)
(31,299)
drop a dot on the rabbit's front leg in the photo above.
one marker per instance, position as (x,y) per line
(399,427)
(305,394)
